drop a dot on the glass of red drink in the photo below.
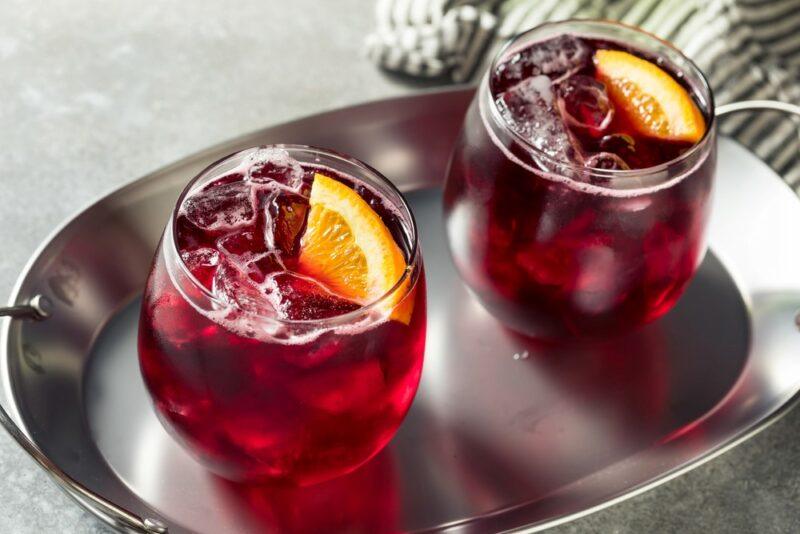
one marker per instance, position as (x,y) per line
(576,203)
(256,362)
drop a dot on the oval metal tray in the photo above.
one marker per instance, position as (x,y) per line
(502,435)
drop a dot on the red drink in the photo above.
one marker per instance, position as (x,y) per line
(257,367)
(564,216)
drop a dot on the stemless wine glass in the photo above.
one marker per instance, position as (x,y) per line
(258,397)
(552,248)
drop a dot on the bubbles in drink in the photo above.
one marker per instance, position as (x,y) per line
(555,58)
(274,165)
(561,56)
(530,108)
(225,206)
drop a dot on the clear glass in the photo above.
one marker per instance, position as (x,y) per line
(256,398)
(553,249)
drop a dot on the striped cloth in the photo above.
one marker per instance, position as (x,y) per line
(749,49)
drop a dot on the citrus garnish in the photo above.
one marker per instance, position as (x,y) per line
(652,101)
(348,248)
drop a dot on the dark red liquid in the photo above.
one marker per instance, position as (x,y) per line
(251,396)
(545,254)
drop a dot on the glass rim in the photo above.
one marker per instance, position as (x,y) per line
(610,177)
(406,281)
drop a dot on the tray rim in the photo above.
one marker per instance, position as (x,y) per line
(43,247)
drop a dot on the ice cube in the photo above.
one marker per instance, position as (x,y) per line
(226,206)
(188,235)
(665,249)
(177,326)
(274,165)
(241,247)
(555,260)
(584,103)
(297,297)
(561,56)
(600,281)
(512,71)
(342,387)
(202,263)
(324,348)
(606,161)
(669,263)
(531,110)
(287,215)
(546,264)
(263,265)
(556,58)
(236,289)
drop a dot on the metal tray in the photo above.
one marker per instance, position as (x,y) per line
(502,435)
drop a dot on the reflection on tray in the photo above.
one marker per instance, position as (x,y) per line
(365,500)
(564,411)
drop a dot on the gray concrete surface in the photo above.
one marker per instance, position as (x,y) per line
(95,93)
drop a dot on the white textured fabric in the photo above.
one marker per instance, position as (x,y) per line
(431,38)
(748,49)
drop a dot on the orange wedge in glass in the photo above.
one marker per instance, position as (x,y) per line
(649,98)
(347,247)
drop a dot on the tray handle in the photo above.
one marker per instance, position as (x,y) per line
(39,308)
(761,105)
(758,105)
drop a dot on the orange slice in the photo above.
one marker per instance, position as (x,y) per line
(347,247)
(653,102)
